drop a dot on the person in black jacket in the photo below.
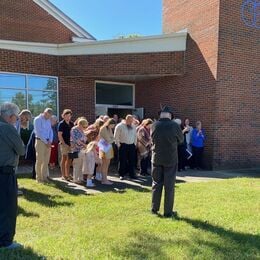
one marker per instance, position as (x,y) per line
(166,135)
(11,147)
(31,153)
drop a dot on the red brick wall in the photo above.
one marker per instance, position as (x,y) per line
(24,20)
(193,95)
(26,62)
(238,90)
(222,61)
(166,63)
(78,73)
(97,67)
(78,94)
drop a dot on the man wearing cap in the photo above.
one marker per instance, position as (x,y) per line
(166,135)
(11,147)
(43,139)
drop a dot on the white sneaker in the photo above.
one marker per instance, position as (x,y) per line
(90,184)
(99,176)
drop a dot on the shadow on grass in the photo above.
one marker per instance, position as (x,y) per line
(18,254)
(44,199)
(121,186)
(142,184)
(24,213)
(235,244)
(224,244)
(66,188)
(142,245)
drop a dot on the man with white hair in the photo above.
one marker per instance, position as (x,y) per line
(43,140)
(166,135)
(11,147)
(126,139)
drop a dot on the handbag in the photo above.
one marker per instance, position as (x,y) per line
(73,155)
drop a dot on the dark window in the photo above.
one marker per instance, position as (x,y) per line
(114,94)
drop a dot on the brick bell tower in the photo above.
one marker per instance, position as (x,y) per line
(223,67)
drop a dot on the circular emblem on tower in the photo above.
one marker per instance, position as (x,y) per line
(250,13)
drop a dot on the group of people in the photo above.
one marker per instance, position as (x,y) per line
(90,148)
(155,144)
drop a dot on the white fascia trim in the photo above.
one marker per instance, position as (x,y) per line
(64,19)
(162,43)
(80,39)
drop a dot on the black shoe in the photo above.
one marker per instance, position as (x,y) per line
(134,177)
(19,192)
(154,212)
(173,214)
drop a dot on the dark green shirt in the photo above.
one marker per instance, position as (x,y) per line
(11,144)
(166,135)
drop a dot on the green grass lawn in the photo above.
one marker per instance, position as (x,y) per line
(217,220)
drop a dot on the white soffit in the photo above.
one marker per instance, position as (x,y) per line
(162,43)
(64,19)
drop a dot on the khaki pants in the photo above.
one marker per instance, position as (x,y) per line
(42,160)
(77,167)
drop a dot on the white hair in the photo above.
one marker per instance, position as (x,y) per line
(8,109)
(165,115)
(178,121)
(53,117)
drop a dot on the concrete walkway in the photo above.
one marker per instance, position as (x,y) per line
(201,176)
(143,184)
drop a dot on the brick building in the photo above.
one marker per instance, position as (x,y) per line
(206,65)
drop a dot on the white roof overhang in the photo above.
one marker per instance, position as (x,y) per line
(160,43)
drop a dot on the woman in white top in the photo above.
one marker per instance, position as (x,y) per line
(187,133)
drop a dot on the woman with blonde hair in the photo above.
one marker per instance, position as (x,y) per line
(91,158)
(78,143)
(92,131)
(92,134)
(105,148)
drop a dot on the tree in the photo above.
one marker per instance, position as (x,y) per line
(20,100)
(50,96)
(134,35)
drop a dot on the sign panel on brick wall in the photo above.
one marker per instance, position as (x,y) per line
(250,13)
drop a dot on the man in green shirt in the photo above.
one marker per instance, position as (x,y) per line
(11,147)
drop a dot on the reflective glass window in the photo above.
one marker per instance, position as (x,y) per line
(40,91)
(39,100)
(15,96)
(12,81)
(42,83)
